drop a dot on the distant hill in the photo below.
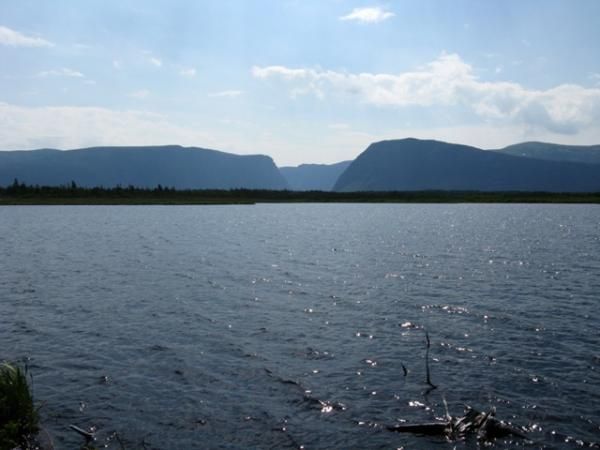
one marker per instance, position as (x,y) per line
(313,177)
(412,164)
(170,166)
(555,152)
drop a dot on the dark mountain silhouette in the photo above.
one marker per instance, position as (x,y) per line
(555,152)
(313,177)
(412,164)
(170,166)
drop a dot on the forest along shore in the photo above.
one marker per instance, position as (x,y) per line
(73,195)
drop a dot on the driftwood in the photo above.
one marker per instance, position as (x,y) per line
(483,424)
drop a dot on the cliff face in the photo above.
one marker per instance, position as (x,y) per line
(412,164)
(172,166)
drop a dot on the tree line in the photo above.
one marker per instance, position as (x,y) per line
(21,193)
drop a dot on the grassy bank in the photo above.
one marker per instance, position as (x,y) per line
(18,416)
(73,195)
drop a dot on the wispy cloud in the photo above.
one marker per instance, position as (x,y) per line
(116,64)
(368,15)
(12,38)
(155,61)
(141,94)
(449,81)
(228,94)
(188,73)
(150,58)
(63,72)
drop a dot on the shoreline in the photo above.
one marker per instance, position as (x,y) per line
(135,196)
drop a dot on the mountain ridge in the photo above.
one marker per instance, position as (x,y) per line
(554,152)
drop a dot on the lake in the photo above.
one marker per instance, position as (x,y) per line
(280,326)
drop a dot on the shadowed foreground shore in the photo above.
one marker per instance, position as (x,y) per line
(20,194)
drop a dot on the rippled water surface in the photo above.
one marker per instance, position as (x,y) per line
(280,326)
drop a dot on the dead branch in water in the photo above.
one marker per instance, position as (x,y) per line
(433,386)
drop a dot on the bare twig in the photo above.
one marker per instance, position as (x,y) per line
(448,416)
(86,434)
(433,386)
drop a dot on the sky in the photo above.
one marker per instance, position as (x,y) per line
(304,81)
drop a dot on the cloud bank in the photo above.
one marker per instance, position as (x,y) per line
(449,81)
(67,127)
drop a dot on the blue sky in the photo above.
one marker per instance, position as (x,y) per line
(300,80)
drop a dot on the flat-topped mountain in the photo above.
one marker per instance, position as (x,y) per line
(555,152)
(412,164)
(313,177)
(172,166)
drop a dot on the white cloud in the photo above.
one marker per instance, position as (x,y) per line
(12,38)
(368,15)
(449,81)
(73,127)
(188,73)
(228,94)
(140,94)
(286,73)
(116,64)
(64,72)
(155,61)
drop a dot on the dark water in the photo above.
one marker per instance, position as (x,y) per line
(276,326)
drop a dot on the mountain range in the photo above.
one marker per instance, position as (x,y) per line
(393,165)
